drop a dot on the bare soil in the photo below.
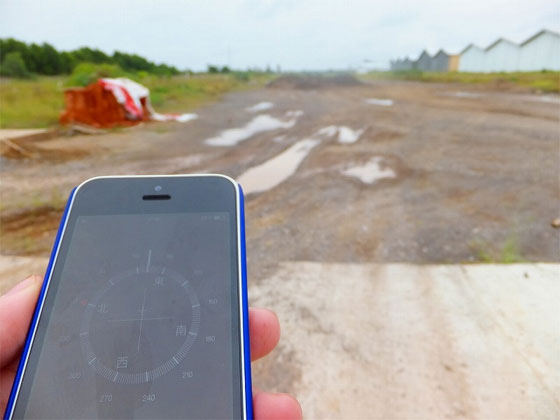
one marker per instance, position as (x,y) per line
(475,175)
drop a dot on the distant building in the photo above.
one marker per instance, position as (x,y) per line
(402,65)
(472,58)
(408,64)
(424,62)
(501,55)
(540,52)
(444,62)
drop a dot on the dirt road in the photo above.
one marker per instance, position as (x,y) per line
(447,175)
(344,179)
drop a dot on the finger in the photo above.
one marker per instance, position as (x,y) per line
(267,406)
(7,375)
(23,284)
(16,309)
(264,330)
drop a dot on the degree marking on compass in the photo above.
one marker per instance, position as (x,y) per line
(112,283)
(146,376)
(196,306)
(115,378)
(84,333)
(91,304)
(191,333)
(137,270)
(163,270)
(185,283)
(176,361)
(149,260)
(92,360)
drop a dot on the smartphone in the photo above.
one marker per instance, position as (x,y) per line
(143,311)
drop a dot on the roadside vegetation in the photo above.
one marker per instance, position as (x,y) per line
(37,103)
(33,79)
(543,81)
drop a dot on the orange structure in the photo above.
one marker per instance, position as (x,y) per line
(95,106)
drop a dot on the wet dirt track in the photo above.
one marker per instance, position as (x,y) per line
(471,174)
(449,178)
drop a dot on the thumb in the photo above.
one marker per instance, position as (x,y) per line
(16,310)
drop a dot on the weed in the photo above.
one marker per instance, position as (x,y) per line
(538,81)
(507,253)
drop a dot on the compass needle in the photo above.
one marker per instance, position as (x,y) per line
(142,317)
(149,260)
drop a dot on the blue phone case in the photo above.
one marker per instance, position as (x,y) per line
(244,299)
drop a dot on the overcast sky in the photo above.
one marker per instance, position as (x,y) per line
(295,34)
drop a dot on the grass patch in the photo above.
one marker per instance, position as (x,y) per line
(37,103)
(184,93)
(542,81)
(507,253)
(32,103)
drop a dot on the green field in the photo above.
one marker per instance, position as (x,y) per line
(545,81)
(37,103)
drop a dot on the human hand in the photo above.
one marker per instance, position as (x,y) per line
(16,310)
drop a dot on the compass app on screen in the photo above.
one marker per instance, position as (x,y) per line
(141,325)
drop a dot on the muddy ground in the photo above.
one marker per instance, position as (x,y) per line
(384,172)
(476,173)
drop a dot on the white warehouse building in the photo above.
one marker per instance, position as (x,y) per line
(502,55)
(540,52)
(472,59)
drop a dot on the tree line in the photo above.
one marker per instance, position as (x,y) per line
(19,59)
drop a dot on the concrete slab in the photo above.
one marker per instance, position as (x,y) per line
(400,341)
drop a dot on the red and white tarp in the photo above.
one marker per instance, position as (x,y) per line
(130,94)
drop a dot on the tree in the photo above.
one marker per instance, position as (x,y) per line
(50,59)
(13,65)
(45,59)
(68,62)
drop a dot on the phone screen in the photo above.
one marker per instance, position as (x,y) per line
(143,322)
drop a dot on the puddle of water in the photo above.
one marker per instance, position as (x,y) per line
(348,135)
(170,117)
(259,124)
(467,95)
(261,106)
(380,102)
(345,134)
(544,98)
(329,131)
(276,170)
(371,171)
(294,114)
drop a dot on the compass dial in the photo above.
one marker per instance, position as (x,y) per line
(140,325)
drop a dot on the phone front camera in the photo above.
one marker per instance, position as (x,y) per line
(158,188)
